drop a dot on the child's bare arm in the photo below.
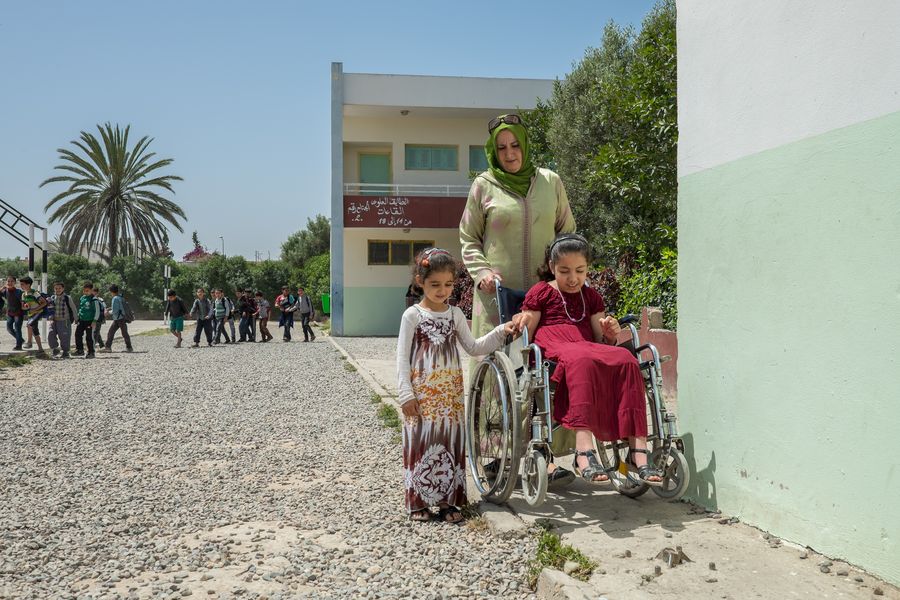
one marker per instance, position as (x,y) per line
(529,319)
(605,328)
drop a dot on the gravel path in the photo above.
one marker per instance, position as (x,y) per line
(248,470)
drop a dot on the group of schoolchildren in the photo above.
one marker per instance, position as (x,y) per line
(216,316)
(26,307)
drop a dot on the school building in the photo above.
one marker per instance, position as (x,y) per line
(788,276)
(402,149)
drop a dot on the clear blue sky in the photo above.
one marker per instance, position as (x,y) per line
(238,93)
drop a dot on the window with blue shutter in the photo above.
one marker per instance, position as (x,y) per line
(431,158)
(477,159)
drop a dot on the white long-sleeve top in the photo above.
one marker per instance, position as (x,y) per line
(410,321)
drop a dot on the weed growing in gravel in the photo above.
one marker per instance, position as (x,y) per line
(551,552)
(14,361)
(389,418)
(474,520)
(349,367)
(375,398)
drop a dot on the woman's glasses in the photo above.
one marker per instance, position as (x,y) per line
(512,119)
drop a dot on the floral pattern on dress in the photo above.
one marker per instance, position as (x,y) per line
(433,443)
(437,475)
(442,387)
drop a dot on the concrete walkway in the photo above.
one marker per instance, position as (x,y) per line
(624,536)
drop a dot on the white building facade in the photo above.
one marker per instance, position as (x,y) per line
(403,147)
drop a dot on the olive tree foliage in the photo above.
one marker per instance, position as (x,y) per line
(307,243)
(610,131)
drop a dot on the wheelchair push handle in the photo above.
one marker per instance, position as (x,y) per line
(628,320)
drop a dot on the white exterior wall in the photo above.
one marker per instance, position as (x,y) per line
(788,284)
(443,92)
(758,75)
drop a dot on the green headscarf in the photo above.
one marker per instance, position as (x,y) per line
(517,182)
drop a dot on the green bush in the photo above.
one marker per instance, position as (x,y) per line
(652,285)
(316,278)
(13,266)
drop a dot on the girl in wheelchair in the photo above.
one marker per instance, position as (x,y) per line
(599,387)
(431,391)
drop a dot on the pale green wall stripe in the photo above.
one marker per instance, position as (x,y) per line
(789,334)
(373,310)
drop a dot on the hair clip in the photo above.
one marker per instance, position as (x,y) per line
(424,262)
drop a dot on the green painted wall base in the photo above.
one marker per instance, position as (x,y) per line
(373,310)
(789,336)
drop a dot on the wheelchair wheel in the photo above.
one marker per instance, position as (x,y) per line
(492,428)
(676,474)
(625,484)
(534,478)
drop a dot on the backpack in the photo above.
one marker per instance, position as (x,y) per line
(102,318)
(126,309)
(49,308)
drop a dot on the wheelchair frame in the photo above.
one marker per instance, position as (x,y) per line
(523,426)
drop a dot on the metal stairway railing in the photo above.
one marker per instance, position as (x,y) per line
(16,224)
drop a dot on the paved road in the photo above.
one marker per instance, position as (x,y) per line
(248,470)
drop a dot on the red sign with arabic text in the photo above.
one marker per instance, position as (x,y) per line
(403,211)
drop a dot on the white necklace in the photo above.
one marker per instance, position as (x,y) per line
(566,308)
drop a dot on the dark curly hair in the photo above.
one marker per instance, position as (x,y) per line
(564,243)
(432,260)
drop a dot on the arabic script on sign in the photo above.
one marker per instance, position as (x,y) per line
(391,211)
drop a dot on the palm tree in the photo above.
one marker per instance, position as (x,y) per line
(112,204)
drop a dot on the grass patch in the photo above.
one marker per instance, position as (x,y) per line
(551,552)
(389,417)
(349,367)
(11,362)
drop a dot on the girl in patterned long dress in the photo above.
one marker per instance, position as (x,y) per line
(431,390)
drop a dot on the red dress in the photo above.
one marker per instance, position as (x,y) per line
(599,387)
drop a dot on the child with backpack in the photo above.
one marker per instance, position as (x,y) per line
(98,338)
(59,335)
(175,311)
(121,315)
(14,313)
(222,309)
(88,315)
(286,302)
(202,311)
(33,305)
(262,313)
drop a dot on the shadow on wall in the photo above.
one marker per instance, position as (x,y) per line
(702,487)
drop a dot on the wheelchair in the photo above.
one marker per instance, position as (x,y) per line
(510,428)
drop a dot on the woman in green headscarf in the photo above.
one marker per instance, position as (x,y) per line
(513,212)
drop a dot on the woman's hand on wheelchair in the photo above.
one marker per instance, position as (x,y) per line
(487,283)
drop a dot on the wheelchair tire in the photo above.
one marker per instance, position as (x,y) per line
(534,478)
(622,482)
(492,429)
(677,475)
